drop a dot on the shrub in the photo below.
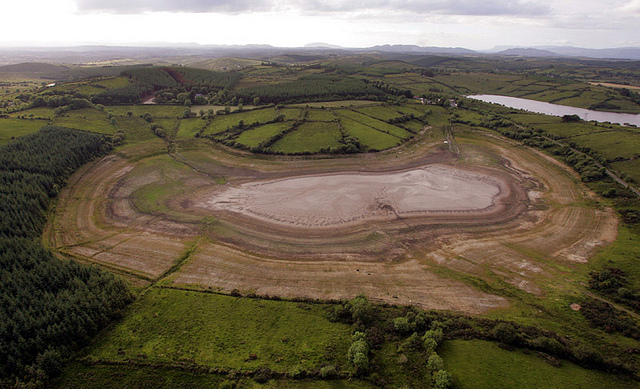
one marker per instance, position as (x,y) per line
(402,325)
(435,363)
(442,379)
(505,333)
(328,372)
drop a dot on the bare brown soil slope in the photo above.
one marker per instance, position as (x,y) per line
(387,224)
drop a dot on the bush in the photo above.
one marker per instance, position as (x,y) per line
(412,343)
(442,379)
(434,334)
(263,374)
(328,372)
(361,362)
(361,309)
(435,363)
(402,325)
(505,333)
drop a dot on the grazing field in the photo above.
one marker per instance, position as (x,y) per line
(373,123)
(309,137)
(222,123)
(380,113)
(374,139)
(135,129)
(320,115)
(156,111)
(480,364)
(188,128)
(14,128)
(255,136)
(87,119)
(224,332)
(40,112)
(80,376)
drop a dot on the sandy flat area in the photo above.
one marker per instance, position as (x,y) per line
(336,199)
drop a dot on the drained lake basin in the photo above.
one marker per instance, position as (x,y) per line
(345,198)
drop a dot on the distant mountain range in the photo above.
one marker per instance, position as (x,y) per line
(568,51)
(158,52)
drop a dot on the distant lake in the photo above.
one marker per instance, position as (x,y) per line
(559,110)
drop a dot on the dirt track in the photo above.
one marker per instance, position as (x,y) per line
(381,224)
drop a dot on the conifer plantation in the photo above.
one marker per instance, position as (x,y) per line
(48,306)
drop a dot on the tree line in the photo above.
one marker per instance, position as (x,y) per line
(48,307)
(170,85)
(312,88)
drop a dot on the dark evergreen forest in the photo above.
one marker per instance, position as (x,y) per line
(48,307)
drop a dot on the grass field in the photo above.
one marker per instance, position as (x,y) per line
(223,331)
(290,113)
(380,113)
(479,364)
(309,137)
(320,115)
(255,136)
(80,376)
(156,111)
(374,139)
(14,128)
(189,127)
(374,123)
(135,129)
(87,119)
(631,168)
(222,122)
(39,112)
(338,104)
(612,144)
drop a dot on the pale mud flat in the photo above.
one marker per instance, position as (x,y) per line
(336,199)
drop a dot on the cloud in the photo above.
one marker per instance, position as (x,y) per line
(186,6)
(445,7)
(632,6)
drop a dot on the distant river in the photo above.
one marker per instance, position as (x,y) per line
(559,110)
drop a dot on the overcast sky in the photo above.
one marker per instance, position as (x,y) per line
(472,24)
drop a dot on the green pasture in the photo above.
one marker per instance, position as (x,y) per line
(135,129)
(374,139)
(418,109)
(39,112)
(168,326)
(189,127)
(320,115)
(572,130)
(337,104)
(381,113)
(631,168)
(624,254)
(88,119)
(612,144)
(112,83)
(221,122)
(289,113)
(81,376)
(156,111)
(480,364)
(309,137)
(375,123)
(170,125)
(253,137)
(14,128)
(413,125)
